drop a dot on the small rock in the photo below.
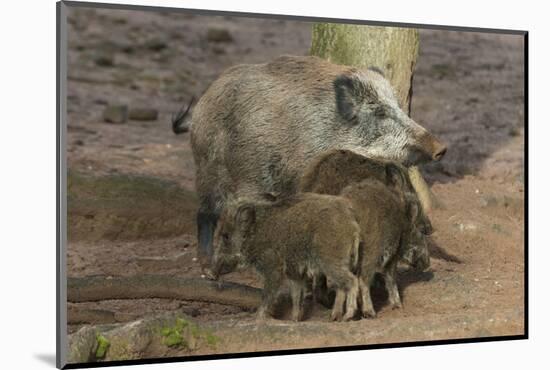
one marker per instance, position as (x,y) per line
(489,201)
(155,45)
(514,131)
(218,50)
(143,114)
(120,21)
(115,113)
(497,228)
(79,142)
(218,35)
(127,49)
(465,226)
(516,204)
(104,61)
(101,101)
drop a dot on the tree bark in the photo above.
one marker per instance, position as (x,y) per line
(393,50)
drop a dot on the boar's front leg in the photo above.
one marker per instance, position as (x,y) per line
(391,284)
(206,225)
(273,281)
(297,294)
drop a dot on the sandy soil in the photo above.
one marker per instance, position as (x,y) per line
(468,90)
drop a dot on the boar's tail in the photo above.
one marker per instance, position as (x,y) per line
(178,124)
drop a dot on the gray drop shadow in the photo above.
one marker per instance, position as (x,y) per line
(47,358)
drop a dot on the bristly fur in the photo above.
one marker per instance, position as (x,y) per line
(293,240)
(258,126)
(178,126)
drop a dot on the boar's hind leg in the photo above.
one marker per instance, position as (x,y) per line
(367,308)
(351,299)
(321,293)
(206,225)
(297,293)
(347,290)
(391,284)
(273,281)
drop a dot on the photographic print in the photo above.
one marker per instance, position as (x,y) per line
(240,184)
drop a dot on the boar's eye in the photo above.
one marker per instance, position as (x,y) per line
(380,112)
(225,237)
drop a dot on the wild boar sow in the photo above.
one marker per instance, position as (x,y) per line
(258,126)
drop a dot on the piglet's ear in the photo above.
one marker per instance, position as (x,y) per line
(395,176)
(348,96)
(245,217)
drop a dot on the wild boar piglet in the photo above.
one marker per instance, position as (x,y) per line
(293,240)
(388,234)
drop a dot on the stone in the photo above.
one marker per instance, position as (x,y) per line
(514,131)
(155,45)
(115,113)
(82,345)
(218,35)
(104,61)
(218,50)
(489,201)
(143,114)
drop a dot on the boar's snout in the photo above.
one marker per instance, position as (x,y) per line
(431,146)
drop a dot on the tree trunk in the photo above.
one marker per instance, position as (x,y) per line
(393,50)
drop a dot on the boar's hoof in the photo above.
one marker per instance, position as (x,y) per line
(209,274)
(396,305)
(297,315)
(262,314)
(349,316)
(336,315)
(369,313)
(395,302)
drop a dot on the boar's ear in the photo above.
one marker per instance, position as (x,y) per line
(348,96)
(395,176)
(245,217)
(413,209)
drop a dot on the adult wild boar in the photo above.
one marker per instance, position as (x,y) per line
(258,126)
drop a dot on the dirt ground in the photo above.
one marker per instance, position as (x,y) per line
(468,91)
